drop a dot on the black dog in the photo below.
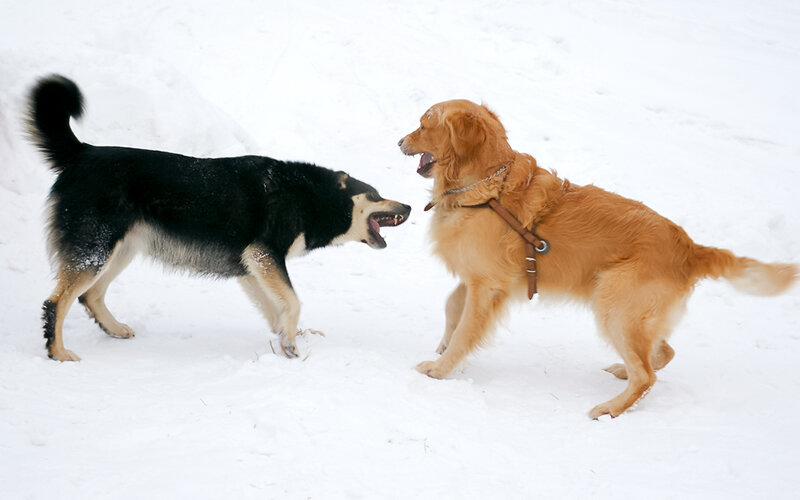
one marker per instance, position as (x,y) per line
(228,217)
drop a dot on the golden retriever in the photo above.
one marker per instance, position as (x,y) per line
(633,267)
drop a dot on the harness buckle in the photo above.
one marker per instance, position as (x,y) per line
(543,248)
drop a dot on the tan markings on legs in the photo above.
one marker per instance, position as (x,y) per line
(94,298)
(658,359)
(70,285)
(481,309)
(254,291)
(453,310)
(270,275)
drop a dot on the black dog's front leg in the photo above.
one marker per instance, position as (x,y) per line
(282,306)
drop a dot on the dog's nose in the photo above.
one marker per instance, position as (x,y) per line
(400,142)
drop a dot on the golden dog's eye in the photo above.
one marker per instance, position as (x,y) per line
(422,127)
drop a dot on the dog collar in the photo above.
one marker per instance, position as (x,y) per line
(499,171)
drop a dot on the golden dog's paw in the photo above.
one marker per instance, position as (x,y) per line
(600,410)
(64,355)
(618,370)
(120,331)
(432,369)
(442,347)
(607,408)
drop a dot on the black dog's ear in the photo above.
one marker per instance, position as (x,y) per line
(341,179)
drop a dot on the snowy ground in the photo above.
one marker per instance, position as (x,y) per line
(689,106)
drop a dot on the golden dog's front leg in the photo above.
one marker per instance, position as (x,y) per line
(482,304)
(453,310)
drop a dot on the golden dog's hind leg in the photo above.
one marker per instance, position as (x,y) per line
(71,284)
(481,308)
(94,298)
(453,310)
(635,348)
(659,359)
(636,320)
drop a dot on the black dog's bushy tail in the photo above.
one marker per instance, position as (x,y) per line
(53,101)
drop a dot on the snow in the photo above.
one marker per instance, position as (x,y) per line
(691,107)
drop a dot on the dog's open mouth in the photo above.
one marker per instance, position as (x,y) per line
(426,162)
(383,219)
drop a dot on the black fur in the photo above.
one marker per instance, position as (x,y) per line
(53,101)
(212,207)
(49,320)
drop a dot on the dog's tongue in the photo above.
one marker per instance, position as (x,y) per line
(425,159)
(374,225)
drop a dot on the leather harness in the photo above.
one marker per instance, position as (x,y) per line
(533,244)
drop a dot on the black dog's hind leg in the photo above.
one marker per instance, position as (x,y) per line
(271,276)
(71,283)
(81,264)
(94,298)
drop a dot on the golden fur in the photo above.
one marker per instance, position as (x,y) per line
(632,266)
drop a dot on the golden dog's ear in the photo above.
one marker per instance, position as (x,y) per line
(466,131)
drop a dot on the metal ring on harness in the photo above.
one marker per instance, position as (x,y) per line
(543,248)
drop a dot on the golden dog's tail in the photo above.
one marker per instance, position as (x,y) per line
(746,275)
(53,101)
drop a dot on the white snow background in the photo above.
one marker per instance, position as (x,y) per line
(689,106)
